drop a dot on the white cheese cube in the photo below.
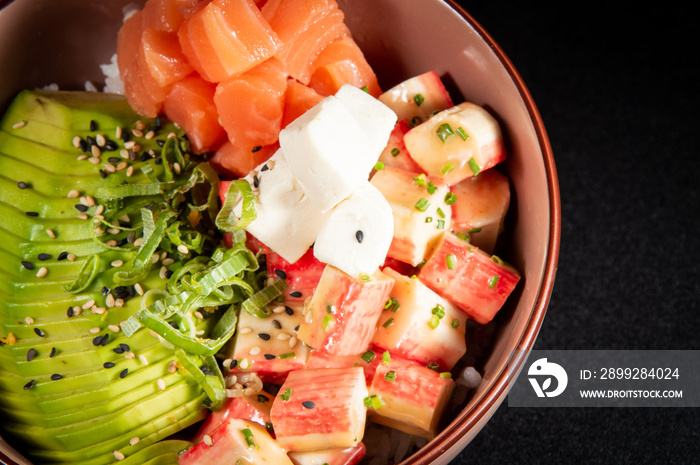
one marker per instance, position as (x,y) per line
(358,233)
(328,152)
(374,117)
(287,221)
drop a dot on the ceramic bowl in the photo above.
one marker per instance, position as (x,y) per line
(401,38)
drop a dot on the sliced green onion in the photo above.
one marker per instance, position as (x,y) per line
(496,259)
(391,304)
(256,305)
(226,219)
(447,168)
(432,188)
(386,357)
(462,134)
(493,280)
(395,152)
(415,121)
(213,386)
(248,435)
(422,204)
(368,356)
(390,376)
(450,198)
(287,355)
(420,179)
(440,224)
(444,131)
(328,322)
(434,322)
(418,98)
(286,394)
(87,274)
(445,375)
(374,401)
(440,212)
(428,219)
(454,323)
(451,261)
(438,311)
(379,166)
(474,166)
(388,322)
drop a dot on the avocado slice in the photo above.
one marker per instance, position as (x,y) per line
(75,387)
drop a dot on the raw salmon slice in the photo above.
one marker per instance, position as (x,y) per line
(162,57)
(227,37)
(236,161)
(168,15)
(297,100)
(143,100)
(251,104)
(190,103)
(305,28)
(342,62)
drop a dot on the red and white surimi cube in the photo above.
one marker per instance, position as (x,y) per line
(341,317)
(476,282)
(302,276)
(457,143)
(320,409)
(234,440)
(269,346)
(480,208)
(395,153)
(254,408)
(414,396)
(420,325)
(420,217)
(420,96)
(368,361)
(335,456)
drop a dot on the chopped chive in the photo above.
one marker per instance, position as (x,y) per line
(462,134)
(287,355)
(455,323)
(415,121)
(374,401)
(492,281)
(368,356)
(497,259)
(420,179)
(422,204)
(447,168)
(388,322)
(391,304)
(434,322)
(440,212)
(365,278)
(432,188)
(444,131)
(464,237)
(418,98)
(379,166)
(428,219)
(365,88)
(386,357)
(286,394)
(450,198)
(474,166)
(395,152)
(390,376)
(248,435)
(328,322)
(438,311)
(433,366)
(440,224)
(445,375)
(451,261)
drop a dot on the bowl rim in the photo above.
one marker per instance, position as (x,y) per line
(449,437)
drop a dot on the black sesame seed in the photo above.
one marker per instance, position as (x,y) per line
(118,350)
(28,265)
(295,294)
(269,356)
(158,121)
(144,156)
(256,181)
(121,292)
(296,328)
(359,235)
(90,140)
(56,377)
(281,274)
(81,208)
(39,332)
(256,148)
(104,291)
(110,146)
(43,256)
(62,256)
(125,136)
(308,404)
(31,353)
(153,128)
(114,160)
(289,310)
(265,167)
(70,312)
(160,142)
(123,373)
(108,365)
(83,145)
(29,385)
(125,347)
(158,161)
(264,336)
(22,185)
(122,242)
(173,324)
(31,214)
(53,352)
(93,125)
(97,340)
(233,364)
(276,324)
(103,174)
(105,340)
(168,274)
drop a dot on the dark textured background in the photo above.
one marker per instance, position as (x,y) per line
(617,89)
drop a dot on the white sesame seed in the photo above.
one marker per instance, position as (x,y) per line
(95,150)
(162,272)
(137,132)
(138,241)
(161,384)
(88,304)
(109,301)
(183,249)
(82,157)
(94,160)
(99,209)
(118,132)
(207,440)
(74,194)
(118,455)
(129,355)
(129,145)
(19,124)
(135,440)
(114,328)
(244,364)
(227,363)
(150,135)
(76,142)
(124,153)
(143,359)
(278,309)
(122,165)
(198,314)
(129,171)
(98,310)
(119,303)
(95,330)
(167,261)
(109,168)
(77,311)
(100,139)
(155,258)
(71,257)
(283,336)
(177,168)
(255,350)
(83,216)
(245,330)
(29,320)
(111,243)
(114,230)
(51,234)
(172,367)
(292,341)
(138,289)
(140,125)
(171,135)
(42,272)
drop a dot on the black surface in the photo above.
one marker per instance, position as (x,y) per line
(618,92)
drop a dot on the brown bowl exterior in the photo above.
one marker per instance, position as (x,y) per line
(401,38)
